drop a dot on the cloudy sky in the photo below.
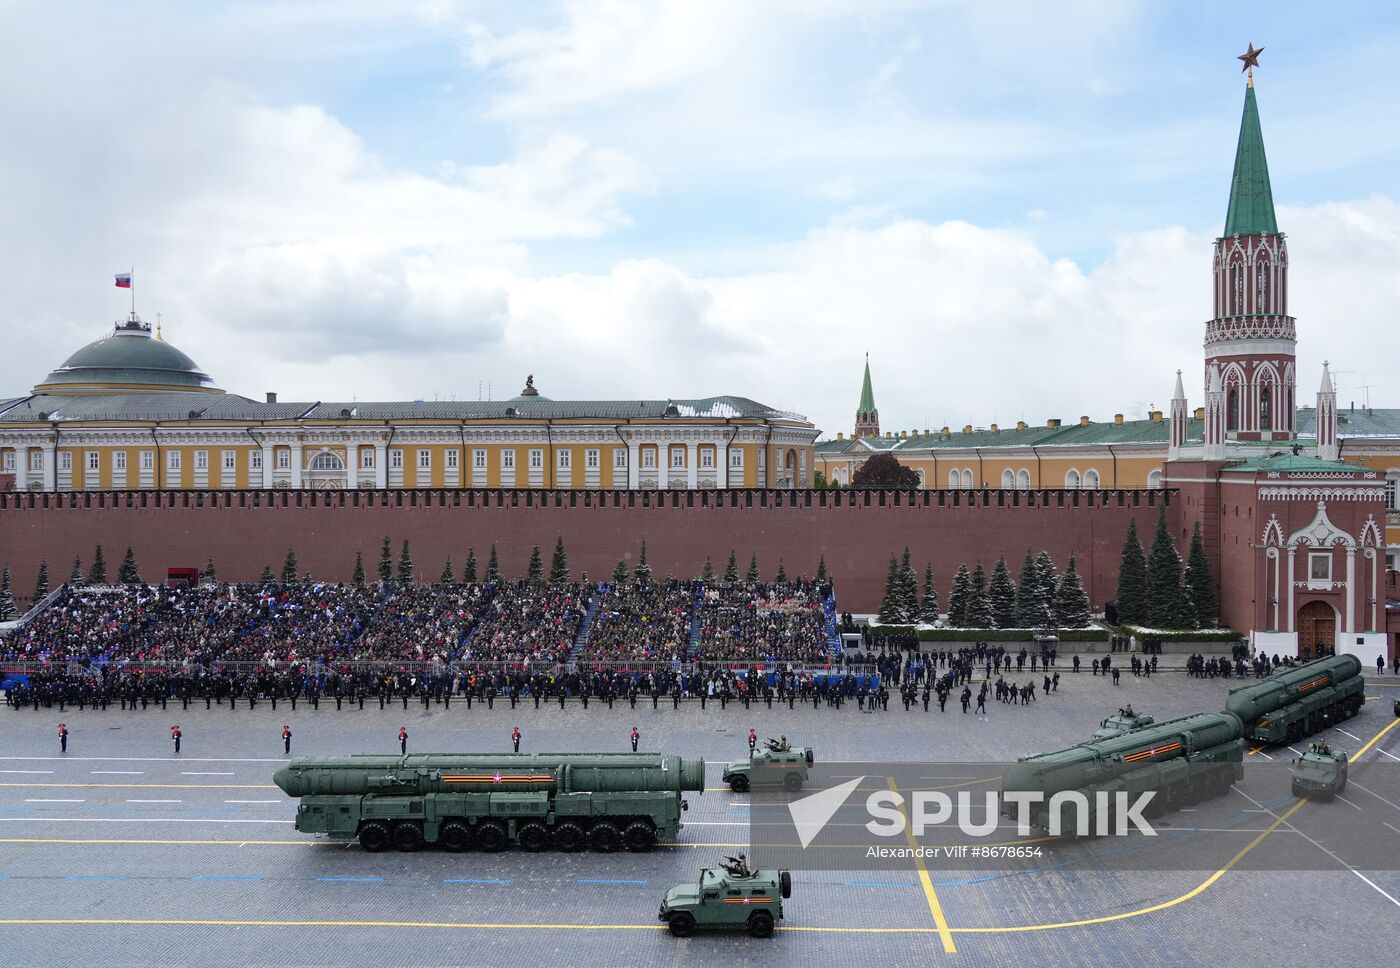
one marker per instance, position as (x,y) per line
(1008,205)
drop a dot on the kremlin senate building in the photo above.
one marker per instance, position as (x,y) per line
(1295,495)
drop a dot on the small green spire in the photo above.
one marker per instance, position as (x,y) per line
(1251,200)
(867,395)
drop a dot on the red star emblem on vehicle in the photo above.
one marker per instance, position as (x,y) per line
(1152,751)
(496,778)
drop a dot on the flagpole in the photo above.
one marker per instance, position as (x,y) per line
(133,292)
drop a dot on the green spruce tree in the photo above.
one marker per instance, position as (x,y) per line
(781,576)
(559,564)
(1071,602)
(979,603)
(620,573)
(447,577)
(76,575)
(1199,583)
(97,574)
(958,597)
(821,568)
(358,577)
(752,575)
(8,612)
(289,567)
(405,564)
(1046,584)
(534,571)
(891,609)
(928,604)
(1001,593)
(128,573)
(1167,603)
(1028,595)
(1131,595)
(493,566)
(469,569)
(731,570)
(41,583)
(643,570)
(908,589)
(267,577)
(386,561)
(209,576)
(707,574)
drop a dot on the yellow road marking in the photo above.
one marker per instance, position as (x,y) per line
(940,922)
(153,786)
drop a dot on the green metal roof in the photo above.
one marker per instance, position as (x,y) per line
(1251,209)
(867,393)
(1289,462)
(129,355)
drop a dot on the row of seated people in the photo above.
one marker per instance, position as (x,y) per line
(641,620)
(764,622)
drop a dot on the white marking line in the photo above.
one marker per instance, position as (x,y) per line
(1355,737)
(26,771)
(1373,884)
(117,772)
(155,801)
(50,800)
(253,801)
(1347,802)
(130,820)
(1392,826)
(191,773)
(718,823)
(1295,751)
(147,759)
(1391,755)
(1260,752)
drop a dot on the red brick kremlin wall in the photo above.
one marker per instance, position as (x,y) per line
(857,531)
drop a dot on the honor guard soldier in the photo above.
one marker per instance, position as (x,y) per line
(403,739)
(286,739)
(62,737)
(635,736)
(515,738)
(175,737)
(753,741)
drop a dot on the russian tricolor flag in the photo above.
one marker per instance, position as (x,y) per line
(123,280)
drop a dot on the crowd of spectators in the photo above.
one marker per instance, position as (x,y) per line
(641,620)
(531,621)
(764,622)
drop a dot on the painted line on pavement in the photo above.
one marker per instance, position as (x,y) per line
(940,922)
(115,772)
(254,801)
(201,773)
(1391,755)
(476,880)
(352,880)
(50,800)
(225,877)
(144,759)
(605,880)
(95,877)
(26,771)
(155,801)
(154,786)
(877,884)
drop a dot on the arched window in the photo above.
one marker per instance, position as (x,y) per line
(1237,286)
(1266,407)
(1008,479)
(1261,287)
(967,477)
(1154,479)
(922,481)
(1023,480)
(1232,408)
(1072,480)
(1091,480)
(954,478)
(326,461)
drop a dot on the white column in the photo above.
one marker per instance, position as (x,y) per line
(296,464)
(51,465)
(381,465)
(634,459)
(663,466)
(1289,626)
(1351,591)
(267,466)
(352,465)
(692,461)
(721,466)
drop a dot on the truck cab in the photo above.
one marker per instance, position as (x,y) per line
(772,765)
(1125,721)
(1321,772)
(727,897)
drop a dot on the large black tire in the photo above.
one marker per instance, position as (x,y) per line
(569,837)
(761,924)
(454,836)
(374,836)
(681,924)
(605,838)
(533,836)
(639,836)
(408,836)
(792,782)
(739,783)
(785,884)
(491,836)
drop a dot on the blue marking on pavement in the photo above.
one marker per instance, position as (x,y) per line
(1122,850)
(16,809)
(1041,870)
(223,877)
(975,880)
(877,884)
(351,880)
(1186,833)
(95,877)
(475,880)
(1239,816)
(605,880)
(1279,803)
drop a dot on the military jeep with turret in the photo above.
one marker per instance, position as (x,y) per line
(1321,772)
(731,896)
(775,764)
(1124,722)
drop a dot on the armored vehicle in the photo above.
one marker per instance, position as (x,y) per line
(563,801)
(1183,760)
(1124,722)
(1297,701)
(772,765)
(1321,772)
(732,896)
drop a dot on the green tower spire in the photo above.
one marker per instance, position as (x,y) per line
(1251,200)
(867,395)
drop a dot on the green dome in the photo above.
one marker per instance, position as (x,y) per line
(128,357)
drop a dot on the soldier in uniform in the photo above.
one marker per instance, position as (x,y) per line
(175,737)
(635,736)
(403,739)
(753,740)
(515,738)
(286,739)
(62,738)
